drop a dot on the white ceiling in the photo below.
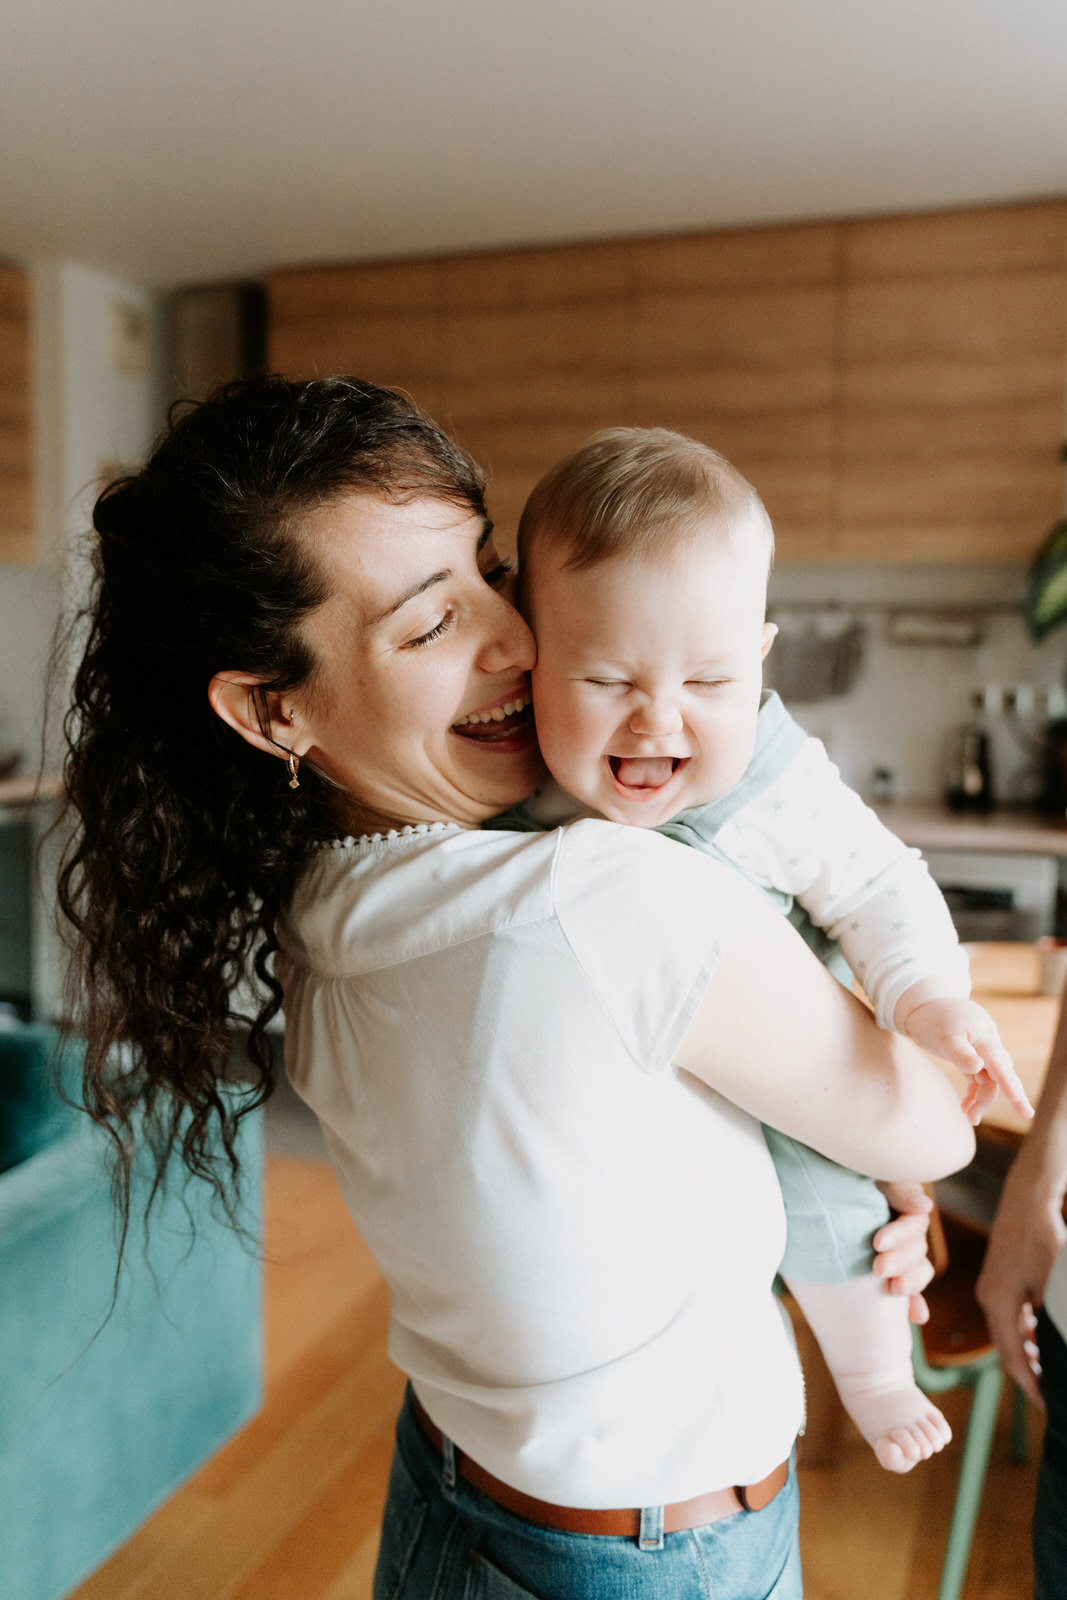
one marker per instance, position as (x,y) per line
(175,141)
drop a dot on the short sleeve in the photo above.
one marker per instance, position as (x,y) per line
(648,920)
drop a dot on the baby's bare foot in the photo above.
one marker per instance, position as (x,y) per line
(896,1419)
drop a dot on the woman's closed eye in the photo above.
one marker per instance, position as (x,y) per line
(436,632)
(495,576)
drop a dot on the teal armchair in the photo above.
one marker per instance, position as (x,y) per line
(103,1416)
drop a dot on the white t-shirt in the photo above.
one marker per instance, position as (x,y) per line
(579,1239)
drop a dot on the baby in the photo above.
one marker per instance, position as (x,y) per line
(644,560)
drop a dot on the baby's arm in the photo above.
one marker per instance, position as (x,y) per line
(963,1033)
(872,894)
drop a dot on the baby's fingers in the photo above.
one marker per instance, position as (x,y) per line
(991,1067)
(978,1096)
(1001,1069)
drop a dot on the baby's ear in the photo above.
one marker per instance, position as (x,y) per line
(769,631)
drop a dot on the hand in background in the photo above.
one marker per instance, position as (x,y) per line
(1027,1237)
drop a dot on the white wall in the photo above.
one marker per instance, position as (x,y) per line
(96,405)
(87,416)
(907,700)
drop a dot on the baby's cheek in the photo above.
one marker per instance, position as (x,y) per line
(565,747)
(561,739)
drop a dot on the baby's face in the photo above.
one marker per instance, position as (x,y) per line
(648,675)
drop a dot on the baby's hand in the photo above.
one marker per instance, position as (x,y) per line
(963,1033)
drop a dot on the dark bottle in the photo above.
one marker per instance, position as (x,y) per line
(970,780)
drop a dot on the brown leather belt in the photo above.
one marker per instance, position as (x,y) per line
(695,1513)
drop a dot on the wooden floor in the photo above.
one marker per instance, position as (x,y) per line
(289,1509)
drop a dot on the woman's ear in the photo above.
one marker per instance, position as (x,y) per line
(259,718)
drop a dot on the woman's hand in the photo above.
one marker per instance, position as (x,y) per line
(1029,1231)
(1027,1237)
(901,1255)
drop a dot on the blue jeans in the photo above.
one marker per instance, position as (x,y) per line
(451,1542)
(1050,1505)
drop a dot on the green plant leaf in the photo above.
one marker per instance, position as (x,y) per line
(1045,602)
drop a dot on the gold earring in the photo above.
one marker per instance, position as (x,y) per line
(293,763)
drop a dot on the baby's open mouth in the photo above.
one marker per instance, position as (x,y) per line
(502,722)
(643,772)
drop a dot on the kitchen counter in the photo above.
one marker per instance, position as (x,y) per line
(934,827)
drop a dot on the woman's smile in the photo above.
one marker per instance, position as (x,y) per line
(506,726)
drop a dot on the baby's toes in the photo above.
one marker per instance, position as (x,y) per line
(899,1451)
(936,1430)
(921,1442)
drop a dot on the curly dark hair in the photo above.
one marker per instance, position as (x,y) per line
(183,842)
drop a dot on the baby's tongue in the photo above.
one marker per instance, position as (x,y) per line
(638,772)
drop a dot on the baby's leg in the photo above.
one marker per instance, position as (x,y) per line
(864,1334)
(862,1330)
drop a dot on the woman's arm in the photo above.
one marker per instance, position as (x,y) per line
(778,1036)
(1029,1232)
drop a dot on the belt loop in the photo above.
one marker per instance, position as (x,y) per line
(650,1533)
(448,1452)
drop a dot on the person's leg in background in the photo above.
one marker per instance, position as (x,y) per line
(1050,1506)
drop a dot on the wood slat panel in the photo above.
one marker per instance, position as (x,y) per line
(544,398)
(889,385)
(375,289)
(517,344)
(797,388)
(953,398)
(1018,432)
(762,435)
(560,275)
(773,329)
(743,258)
(371,347)
(961,320)
(986,239)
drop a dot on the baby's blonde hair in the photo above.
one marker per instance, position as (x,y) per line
(630,493)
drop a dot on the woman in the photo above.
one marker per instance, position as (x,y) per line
(1023,1292)
(304,691)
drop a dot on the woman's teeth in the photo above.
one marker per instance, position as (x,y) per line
(498,713)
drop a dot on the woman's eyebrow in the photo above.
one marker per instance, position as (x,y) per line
(424,583)
(409,594)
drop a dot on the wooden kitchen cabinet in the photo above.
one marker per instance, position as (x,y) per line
(954,336)
(525,353)
(16,480)
(893,387)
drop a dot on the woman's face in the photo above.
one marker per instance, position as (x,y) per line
(420,705)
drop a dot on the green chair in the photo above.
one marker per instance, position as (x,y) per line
(953,1350)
